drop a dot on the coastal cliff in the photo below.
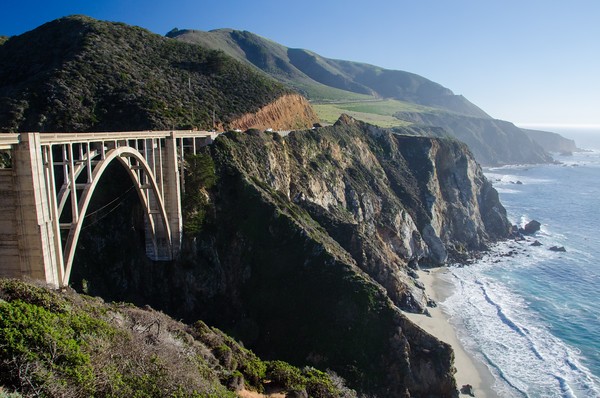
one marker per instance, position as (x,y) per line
(493,142)
(310,239)
(552,142)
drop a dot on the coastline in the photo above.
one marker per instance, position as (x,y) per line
(469,370)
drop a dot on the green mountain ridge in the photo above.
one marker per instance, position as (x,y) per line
(336,86)
(80,74)
(308,72)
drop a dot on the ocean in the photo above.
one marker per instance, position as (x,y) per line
(530,314)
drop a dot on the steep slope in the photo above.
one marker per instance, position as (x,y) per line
(310,239)
(289,112)
(311,73)
(79,74)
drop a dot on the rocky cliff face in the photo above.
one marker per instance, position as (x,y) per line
(304,247)
(289,112)
(386,199)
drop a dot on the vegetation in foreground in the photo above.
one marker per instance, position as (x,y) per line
(58,344)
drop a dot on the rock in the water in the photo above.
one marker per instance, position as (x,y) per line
(558,249)
(536,243)
(530,228)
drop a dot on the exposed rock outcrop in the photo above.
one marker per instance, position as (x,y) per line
(289,112)
(530,228)
(308,238)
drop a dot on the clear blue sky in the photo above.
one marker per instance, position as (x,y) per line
(534,62)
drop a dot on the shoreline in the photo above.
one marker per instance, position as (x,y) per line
(469,370)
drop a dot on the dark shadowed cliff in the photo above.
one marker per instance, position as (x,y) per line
(308,239)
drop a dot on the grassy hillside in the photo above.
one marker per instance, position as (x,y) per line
(323,79)
(378,112)
(77,73)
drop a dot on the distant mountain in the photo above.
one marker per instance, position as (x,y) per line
(321,78)
(80,74)
(347,85)
(492,141)
(552,142)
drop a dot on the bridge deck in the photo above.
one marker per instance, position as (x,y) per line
(8,139)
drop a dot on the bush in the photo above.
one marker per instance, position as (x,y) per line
(285,375)
(200,176)
(52,342)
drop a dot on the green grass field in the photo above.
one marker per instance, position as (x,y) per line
(378,112)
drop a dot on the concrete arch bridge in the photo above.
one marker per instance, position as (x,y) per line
(45,195)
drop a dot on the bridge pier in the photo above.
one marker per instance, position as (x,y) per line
(38,258)
(172,192)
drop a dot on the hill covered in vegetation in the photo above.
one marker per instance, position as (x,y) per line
(325,79)
(80,74)
(62,344)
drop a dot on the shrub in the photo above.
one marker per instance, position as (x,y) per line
(200,176)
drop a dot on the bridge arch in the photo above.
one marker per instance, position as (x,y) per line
(148,191)
(52,170)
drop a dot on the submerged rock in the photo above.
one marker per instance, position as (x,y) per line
(536,243)
(558,249)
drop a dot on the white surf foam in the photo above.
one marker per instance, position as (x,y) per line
(496,325)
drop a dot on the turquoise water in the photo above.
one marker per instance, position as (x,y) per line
(530,314)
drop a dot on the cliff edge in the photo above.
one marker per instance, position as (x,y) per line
(311,238)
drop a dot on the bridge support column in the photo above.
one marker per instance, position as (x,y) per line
(35,229)
(172,192)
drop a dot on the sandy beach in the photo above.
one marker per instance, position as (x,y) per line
(469,370)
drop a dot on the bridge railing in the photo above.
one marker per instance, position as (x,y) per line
(9,139)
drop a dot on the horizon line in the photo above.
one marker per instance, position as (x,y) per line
(582,126)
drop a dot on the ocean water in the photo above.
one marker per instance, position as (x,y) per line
(530,314)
